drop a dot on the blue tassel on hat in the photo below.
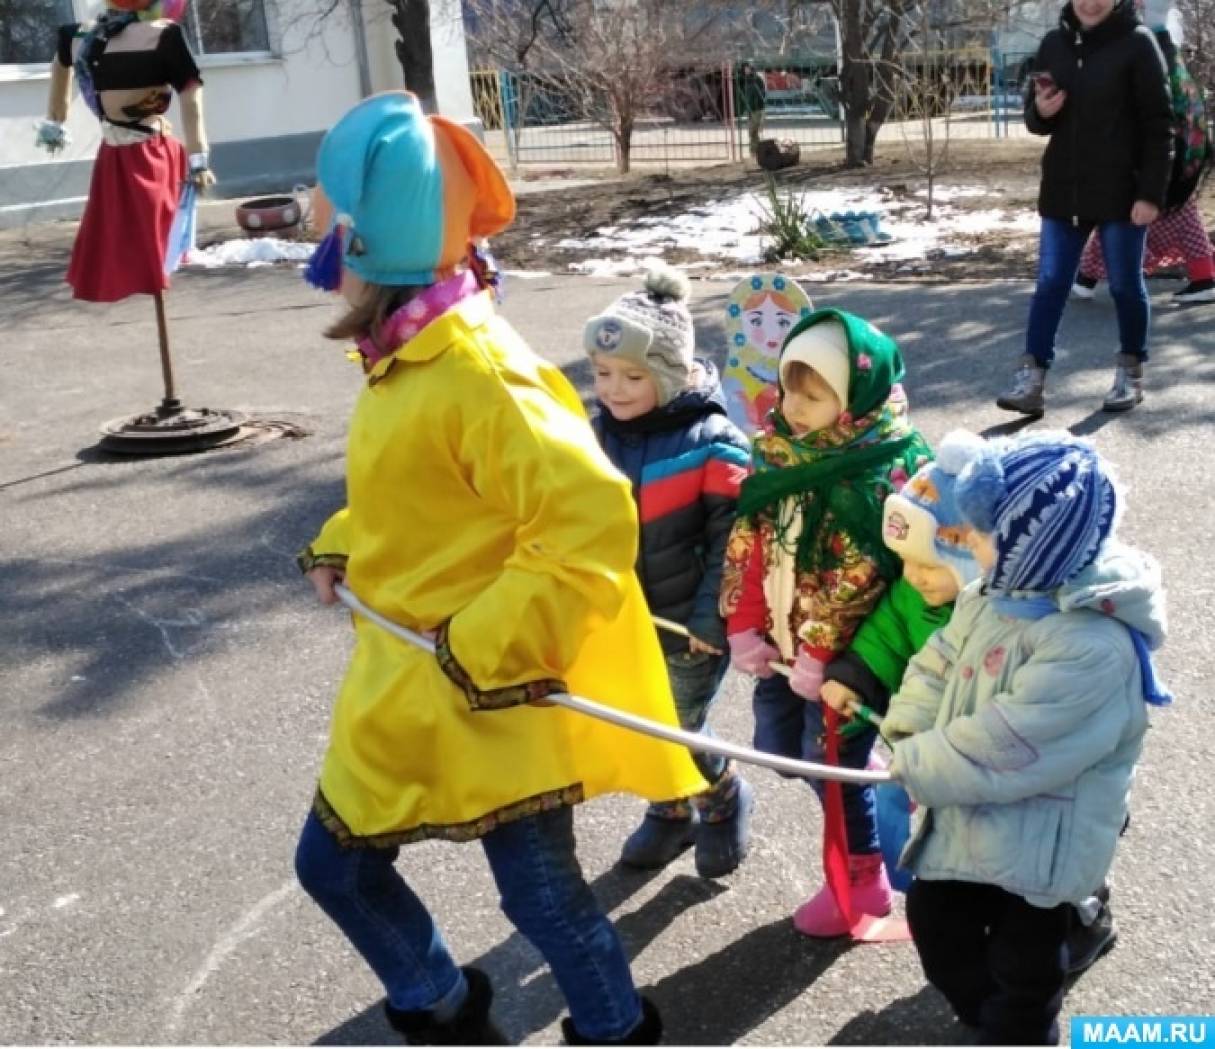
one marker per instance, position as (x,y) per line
(324,269)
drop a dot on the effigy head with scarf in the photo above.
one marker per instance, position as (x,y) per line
(844,470)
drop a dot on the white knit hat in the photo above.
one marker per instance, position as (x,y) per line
(823,347)
(652,327)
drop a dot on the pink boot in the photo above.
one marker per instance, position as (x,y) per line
(820,917)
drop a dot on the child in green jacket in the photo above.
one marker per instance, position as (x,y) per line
(923,525)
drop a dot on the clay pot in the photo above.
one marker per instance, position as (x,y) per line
(268,215)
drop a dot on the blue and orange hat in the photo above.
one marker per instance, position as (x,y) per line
(404,194)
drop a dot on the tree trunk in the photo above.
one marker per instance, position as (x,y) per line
(879,110)
(858,151)
(854,82)
(881,95)
(412,21)
(623,134)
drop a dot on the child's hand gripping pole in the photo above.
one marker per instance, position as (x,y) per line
(856,709)
(692,740)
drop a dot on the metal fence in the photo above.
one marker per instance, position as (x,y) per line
(699,114)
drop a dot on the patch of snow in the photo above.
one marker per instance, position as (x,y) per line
(830,276)
(606,267)
(526,274)
(944,194)
(726,229)
(252,251)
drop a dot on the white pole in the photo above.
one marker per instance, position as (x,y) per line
(691,740)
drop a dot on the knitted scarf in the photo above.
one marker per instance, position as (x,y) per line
(845,471)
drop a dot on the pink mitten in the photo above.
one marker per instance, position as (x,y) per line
(807,677)
(751,653)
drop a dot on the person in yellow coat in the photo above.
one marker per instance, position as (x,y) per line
(482,512)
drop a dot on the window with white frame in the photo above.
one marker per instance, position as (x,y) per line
(223,27)
(27,30)
(213,27)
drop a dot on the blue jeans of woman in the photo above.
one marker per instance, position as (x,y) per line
(543,893)
(1060,245)
(788,725)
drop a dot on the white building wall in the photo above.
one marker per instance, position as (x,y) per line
(452,89)
(452,84)
(265,113)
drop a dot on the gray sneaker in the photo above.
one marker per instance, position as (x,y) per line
(1027,394)
(1127,390)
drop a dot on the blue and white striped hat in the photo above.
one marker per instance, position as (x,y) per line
(1048,500)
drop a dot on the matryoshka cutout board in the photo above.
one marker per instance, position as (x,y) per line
(761,311)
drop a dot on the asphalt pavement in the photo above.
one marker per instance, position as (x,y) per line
(166,681)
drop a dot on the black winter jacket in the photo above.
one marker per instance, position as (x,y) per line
(1112,142)
(686,461)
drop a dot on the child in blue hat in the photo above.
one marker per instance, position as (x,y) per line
(481,511)
(1017,729)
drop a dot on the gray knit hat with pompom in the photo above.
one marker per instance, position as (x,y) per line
(651,327)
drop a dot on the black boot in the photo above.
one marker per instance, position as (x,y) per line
(647,1032)
(470,1026)
(1087,943)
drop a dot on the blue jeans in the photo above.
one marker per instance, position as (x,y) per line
(695,678)
(1060,245)
(543,893)
(788,725)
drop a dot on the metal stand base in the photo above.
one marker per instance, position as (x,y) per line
(171,429)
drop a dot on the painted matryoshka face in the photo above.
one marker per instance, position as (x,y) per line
(767,325)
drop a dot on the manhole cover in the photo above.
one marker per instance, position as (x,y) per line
(171,433)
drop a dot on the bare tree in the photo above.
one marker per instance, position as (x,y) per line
(872,32)
(1199,49)
(608,62)
(411,19)
(878,42)
(412,22)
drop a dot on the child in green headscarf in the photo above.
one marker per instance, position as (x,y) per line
(806,563)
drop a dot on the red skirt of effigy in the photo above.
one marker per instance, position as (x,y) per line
(120,246)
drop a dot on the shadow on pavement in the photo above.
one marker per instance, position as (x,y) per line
(714,1001)
(129,612)
(718,1000)
(918,1019)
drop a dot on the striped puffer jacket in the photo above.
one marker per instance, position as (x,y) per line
(686,461)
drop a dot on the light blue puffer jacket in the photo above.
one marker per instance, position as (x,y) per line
(1019,737)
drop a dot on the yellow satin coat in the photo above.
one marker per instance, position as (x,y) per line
(477,493)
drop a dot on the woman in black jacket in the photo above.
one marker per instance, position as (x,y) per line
(1100,91)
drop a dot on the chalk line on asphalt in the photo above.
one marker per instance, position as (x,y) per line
(245,927)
